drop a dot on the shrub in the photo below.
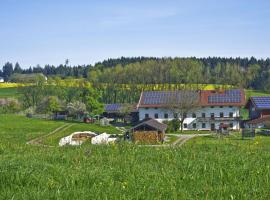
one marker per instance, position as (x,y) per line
(173,125)
(9,105)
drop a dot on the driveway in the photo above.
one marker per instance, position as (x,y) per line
(183,138)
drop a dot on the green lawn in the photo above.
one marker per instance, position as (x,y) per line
(203,168)
(9,93)
(250,93)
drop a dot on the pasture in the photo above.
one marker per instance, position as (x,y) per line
(203,168)
(9,92)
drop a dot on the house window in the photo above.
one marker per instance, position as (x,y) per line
(166,116)
(230,114)
(203,125)
(203,115)
(213,127)
(194,125)
(175,115)
(221,114)
(231,125)
(156,115)
(212,115)
(185,125)
(146,115)
(193,115)
(184,115)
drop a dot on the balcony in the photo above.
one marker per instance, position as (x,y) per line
(209,119)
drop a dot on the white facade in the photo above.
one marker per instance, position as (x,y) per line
(2,80)
(205,118)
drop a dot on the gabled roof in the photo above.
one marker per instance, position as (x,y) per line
(151,99)
(151,123)
(260,103)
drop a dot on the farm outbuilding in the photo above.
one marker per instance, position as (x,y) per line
(148,131)
(259,112)
(122,112)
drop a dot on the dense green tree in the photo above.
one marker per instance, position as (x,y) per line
(7,70)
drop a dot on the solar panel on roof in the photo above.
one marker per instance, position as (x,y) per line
(112,107)
(229,96)
(262,102)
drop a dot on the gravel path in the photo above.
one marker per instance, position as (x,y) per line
(185,137)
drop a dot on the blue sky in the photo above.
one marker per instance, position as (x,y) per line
(50,31)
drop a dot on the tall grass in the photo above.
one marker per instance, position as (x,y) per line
(202,169)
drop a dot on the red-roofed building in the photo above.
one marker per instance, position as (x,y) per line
(217,108)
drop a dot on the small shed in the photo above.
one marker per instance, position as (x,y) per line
(148,131)
(122,112)
(104,122)
(60,115)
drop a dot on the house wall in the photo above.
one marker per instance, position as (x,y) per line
(190,120)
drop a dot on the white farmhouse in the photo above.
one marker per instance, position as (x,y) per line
(217,109)
(1,80)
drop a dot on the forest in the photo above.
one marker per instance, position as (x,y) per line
(122,79)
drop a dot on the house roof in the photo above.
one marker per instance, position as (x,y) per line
(259,120)
(113,108)
(259,103)
(162,98)
(234,97)
(152,123)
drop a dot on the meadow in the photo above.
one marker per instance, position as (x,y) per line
(9,92)
(204,168)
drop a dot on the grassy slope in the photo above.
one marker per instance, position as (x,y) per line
(54,139)
(227,169)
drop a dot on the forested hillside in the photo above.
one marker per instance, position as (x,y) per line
(241,72)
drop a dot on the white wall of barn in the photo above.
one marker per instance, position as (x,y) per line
(226,110)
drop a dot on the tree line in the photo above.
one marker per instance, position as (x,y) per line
(123,79)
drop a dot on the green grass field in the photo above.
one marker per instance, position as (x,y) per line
(204,168)
(9,93)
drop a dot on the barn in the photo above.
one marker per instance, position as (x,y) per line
(148,131)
